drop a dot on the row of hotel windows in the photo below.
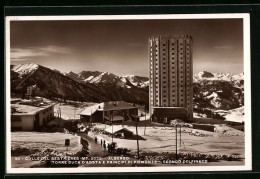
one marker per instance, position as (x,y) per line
(173,95)
(163,64)
(172,45)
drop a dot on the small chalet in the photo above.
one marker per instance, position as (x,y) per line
(119,131)
(114,111)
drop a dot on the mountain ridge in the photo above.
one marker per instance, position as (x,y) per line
(211,90)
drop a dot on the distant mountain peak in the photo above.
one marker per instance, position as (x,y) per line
(27,68)
(205,74)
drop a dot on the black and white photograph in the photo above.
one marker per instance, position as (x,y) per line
(128,93)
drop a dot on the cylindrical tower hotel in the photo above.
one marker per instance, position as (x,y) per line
(171,77)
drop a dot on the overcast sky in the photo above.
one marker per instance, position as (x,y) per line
(121,46)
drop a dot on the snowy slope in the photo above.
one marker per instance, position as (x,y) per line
(96,77)
(137,81)
(236,79)
(24,69)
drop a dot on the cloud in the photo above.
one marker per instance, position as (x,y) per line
(23,54)
(223,47)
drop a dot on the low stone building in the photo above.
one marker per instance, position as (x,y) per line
(114,111)
(30,117)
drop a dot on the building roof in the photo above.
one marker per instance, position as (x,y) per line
(91,109)
(23,109)
(116,129)
(117,105)
(107,106)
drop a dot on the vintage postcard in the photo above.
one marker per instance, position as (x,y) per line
(128,93)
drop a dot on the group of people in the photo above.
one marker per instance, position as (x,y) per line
(106,146)
(102,143)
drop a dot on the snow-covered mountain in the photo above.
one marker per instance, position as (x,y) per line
(85,86)
(24,69)
(138,81)
(210,90)
(236,79)
(96,77)
(218,90)
(51,84)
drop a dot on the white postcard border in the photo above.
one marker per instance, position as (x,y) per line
(247,85)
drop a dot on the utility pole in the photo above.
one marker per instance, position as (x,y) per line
(90,120)
(176,152)
(75,114)
(180,135)
(59,117)
(112,126)
(144,120)
(137,138)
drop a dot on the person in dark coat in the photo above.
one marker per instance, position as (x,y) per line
(109,148)
(101,142)
(104,145)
